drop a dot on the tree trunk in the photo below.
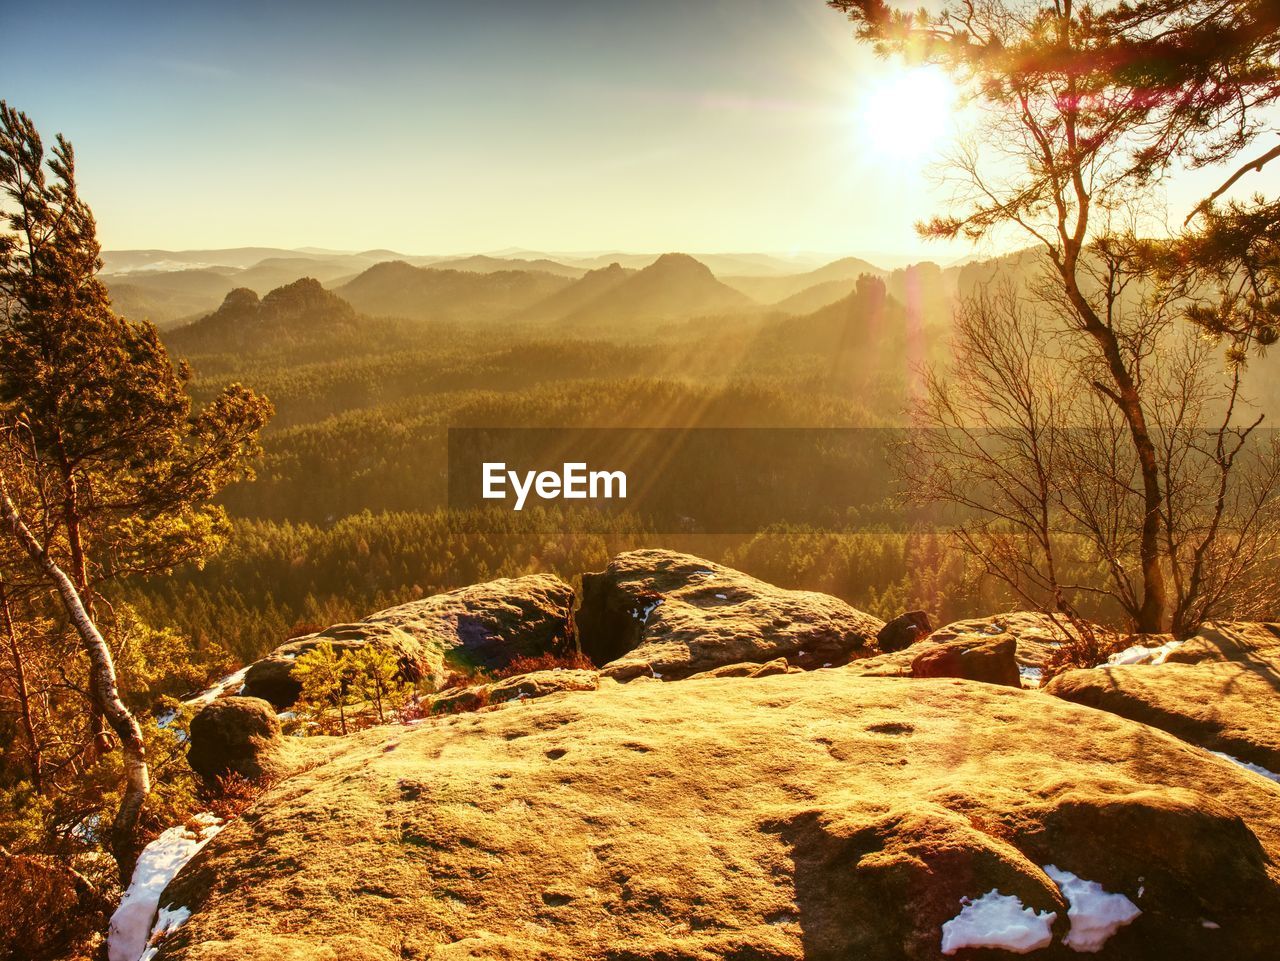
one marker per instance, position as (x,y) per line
(1150,616)
(102,679)
(99,739)
(24,698)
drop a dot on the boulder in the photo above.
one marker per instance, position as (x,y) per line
(482,627)
(815,816)
(1036,634)
(237,735)
(903,631)
(972,659)
(670,615)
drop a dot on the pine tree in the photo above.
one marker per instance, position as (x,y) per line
(110,471)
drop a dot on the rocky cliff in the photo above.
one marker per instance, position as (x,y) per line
(770,807)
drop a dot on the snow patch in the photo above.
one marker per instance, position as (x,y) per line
(1255,768)
(1032,675)
(167,921)
(135,921)
(235,680)
(997,920)
(1142,654)
(642,615)
(1095,914)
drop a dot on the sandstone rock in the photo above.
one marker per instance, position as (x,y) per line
(520,687)
(821,816)
(482,627)
(1226,706)
(670,615)
(971,659)
(750,669)
(1242,641)
(903,631)
(237,735)
(1036,634)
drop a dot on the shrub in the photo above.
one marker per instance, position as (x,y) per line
(525,664)
(47,910)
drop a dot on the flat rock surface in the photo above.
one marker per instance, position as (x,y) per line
(660,613)
(816,816)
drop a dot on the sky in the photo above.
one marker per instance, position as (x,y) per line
(436,128)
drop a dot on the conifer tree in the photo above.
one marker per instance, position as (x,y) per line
(110,472)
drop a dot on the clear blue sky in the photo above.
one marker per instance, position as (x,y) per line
(701,125)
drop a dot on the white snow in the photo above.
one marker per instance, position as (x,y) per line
(235,680)
(997,920)
(135,920)
(642,615)
(1032,675)
(1095,914)
(167,921)
(1255,768)
(1142,654)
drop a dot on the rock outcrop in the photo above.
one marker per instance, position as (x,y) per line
(1242,642)
(482,627)
(1227,706)
(991,660)
(1035,634)
(237,735)
(903,631)
(518,688)
(816,816)
(669,615)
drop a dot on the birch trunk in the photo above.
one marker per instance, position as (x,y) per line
(102,683)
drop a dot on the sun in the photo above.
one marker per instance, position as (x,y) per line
(907,116)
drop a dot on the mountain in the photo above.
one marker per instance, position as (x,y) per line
(167,297)
(578,295)
(816,297)
(289,314)
(169,291)
(125,261)
(675,286)
(746,264)
(771,290)
(398,289)
(483,264)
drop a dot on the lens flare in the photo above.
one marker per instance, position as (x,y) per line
(908,116)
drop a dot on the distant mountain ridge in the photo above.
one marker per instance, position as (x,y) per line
(675,286)
(399,289)
(771,290)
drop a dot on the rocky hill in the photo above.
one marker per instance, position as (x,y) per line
(296,311)
(748,773)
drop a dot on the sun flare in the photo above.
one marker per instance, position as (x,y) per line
(908,115)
